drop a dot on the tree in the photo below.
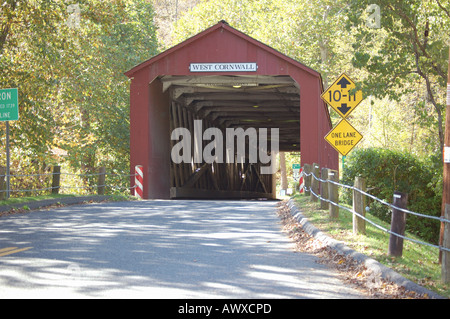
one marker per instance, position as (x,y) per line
(167,13)
(283,173)
(97,86)
(312,31)
(411,43)
(68,62)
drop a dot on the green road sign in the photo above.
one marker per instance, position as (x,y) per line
(296,166)
(9,104)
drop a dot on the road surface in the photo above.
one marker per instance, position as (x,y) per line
(158,249)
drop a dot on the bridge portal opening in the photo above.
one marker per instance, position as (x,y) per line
(263,110)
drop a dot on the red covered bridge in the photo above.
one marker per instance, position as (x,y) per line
(222,78)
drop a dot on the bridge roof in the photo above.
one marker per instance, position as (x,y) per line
(220,27)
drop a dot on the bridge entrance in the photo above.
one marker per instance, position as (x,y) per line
(218,89)
(245,105)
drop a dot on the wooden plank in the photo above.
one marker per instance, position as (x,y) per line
(172,143)
(196,176)
(324,189)
(398,224)
(213,177)
(225,80)
(333,193)
(315,184)
(186,167)
(359,206)
(246,177)
(177,169)
(255,169)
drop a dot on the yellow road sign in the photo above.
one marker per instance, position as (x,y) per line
(343,137)
(338,96)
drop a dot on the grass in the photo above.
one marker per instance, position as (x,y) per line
(419,263)
(25,200)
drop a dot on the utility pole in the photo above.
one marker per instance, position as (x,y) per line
(446,160)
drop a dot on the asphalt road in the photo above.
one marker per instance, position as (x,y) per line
(158,249)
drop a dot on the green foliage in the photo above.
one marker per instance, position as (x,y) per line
(411,44)
(73,95)
(387,171)
(311,31)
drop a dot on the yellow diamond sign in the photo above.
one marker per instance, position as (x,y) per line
(338,96)
(343,137)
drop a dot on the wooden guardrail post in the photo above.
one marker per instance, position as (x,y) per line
(2,183)
(324,189)
(445,273)
(307,171)
(101,181)
(398,223)
(333,193)
(359,206)
(315,182)
(56,179)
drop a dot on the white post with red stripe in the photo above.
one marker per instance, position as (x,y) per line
(139,182)
(301,185)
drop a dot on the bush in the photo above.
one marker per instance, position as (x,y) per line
(387,171)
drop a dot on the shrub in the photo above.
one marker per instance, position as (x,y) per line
(387,171)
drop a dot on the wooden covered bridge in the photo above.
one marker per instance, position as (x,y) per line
(223,79)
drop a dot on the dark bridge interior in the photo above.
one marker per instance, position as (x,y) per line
(224,101)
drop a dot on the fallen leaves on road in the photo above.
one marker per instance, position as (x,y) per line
(351,271)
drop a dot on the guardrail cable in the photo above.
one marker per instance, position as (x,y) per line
(441,219)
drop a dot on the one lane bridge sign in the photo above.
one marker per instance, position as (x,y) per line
(340,96)
(343,137)
(9,105)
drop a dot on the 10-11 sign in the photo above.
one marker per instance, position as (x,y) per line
(340,96)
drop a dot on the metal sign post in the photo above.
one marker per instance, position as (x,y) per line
(7,160)
(296,171)
(9,111)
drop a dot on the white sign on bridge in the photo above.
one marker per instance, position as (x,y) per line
(223,67)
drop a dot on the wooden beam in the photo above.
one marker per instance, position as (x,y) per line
(226,80)
(259,178)
(247,107)
(239,95)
